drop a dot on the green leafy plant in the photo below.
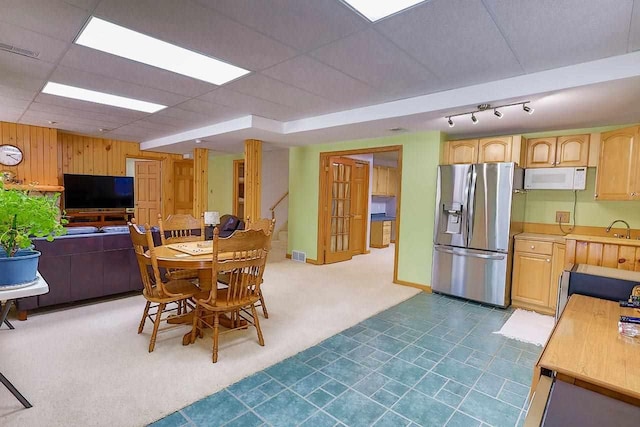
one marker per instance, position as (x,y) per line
(24,216)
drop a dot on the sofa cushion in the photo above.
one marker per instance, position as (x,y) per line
(114,229)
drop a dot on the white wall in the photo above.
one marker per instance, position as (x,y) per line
(275,182)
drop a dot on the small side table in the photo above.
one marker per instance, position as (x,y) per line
(7,297)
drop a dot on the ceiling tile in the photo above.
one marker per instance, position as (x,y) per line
(53,18)
(64,120)
(13,91)
(118,114)
(246,104)
(86,80)
(548,34)
(273,90)
(207,31)
(10,114)
(316,77)
(214,111)
(17,103)
(86,59)
(370,57)
(634,34)
(83,4)
(304,25)
(456,39)
(49,49)
(113,119)
(179,119)
(23,68)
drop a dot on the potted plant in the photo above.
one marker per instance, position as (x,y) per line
(24,216)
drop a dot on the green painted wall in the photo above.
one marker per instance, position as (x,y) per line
(220,196)
(542,205)
(419,162)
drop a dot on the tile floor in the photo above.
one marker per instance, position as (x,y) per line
(429,361)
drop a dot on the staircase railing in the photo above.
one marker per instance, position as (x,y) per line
(275,205)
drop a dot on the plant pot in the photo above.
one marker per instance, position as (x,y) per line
(21,268)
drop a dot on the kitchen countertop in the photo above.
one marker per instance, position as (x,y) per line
(554,238)
(382,217)
(600,239)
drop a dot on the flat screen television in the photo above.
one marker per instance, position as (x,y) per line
(97,192)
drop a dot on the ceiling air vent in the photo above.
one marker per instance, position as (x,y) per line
(19,51)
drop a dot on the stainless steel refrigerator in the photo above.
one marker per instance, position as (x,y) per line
(479,208)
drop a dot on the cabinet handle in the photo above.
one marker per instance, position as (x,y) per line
(621,261)
(533,247)
(548,260)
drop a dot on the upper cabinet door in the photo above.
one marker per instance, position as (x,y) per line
(572,151)
(541,153)
(496,149)
(463,151)
(617,165)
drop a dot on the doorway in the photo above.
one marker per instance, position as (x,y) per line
(340,235)
(148,191)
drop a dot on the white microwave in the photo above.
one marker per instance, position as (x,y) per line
(555,178)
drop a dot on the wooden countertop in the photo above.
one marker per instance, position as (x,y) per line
(585,345)
(554,238)
(600,239)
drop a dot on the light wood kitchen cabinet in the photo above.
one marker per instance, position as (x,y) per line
(535,266)
(618,173)
(560,151)
(380,234)
(623,254)
(483,150)
(385,181)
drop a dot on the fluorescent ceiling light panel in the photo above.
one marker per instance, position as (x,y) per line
(375,10)
(116,40)
(100,97)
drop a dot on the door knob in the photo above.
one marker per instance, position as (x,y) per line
(533,247)
(548,260)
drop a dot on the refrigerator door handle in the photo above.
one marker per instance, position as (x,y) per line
(469,254)
(471,203)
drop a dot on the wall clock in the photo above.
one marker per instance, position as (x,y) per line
(10,155)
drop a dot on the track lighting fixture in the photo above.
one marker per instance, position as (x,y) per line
(483,107)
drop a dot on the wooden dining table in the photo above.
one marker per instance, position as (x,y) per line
(171,258)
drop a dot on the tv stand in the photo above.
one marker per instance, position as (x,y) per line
(98,217)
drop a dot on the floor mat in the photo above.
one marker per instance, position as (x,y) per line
(528,326)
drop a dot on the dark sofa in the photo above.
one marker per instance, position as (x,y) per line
(78,267)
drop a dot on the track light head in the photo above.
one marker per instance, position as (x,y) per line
(451,124)
(527,109)
(474,119)
(497,113)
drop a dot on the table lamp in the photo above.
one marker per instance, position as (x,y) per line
(212,218)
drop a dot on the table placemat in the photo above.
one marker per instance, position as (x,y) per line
(194,248)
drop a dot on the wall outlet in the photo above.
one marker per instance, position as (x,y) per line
(562,216)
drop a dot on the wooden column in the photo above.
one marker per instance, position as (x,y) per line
(200,180)
(252,178)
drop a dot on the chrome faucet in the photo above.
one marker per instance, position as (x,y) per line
(622,221)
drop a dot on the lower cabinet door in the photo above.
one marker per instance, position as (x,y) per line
(531,278)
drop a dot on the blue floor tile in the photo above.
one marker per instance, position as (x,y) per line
(285,409)
(355,409)
(413,364)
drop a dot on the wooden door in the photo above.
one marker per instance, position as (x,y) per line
(572,151)
(360,204)
(541,153)
(496,149)
(183,187)
(531,274)
(617,165)
(339,243)
(238,188)
(463,151)
(148,192)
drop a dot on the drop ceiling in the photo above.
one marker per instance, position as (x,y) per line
(321,72)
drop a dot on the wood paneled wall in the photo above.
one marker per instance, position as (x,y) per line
(39,146)
(252,178)
(97,156)
(200,181)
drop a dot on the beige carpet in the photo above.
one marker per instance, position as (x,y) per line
(86,366)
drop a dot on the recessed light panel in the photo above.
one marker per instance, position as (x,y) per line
(100,97)
(375,10)
(116,40)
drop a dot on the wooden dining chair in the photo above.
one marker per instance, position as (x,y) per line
(161,296)
(242,256)
(180,228)
(267,225)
